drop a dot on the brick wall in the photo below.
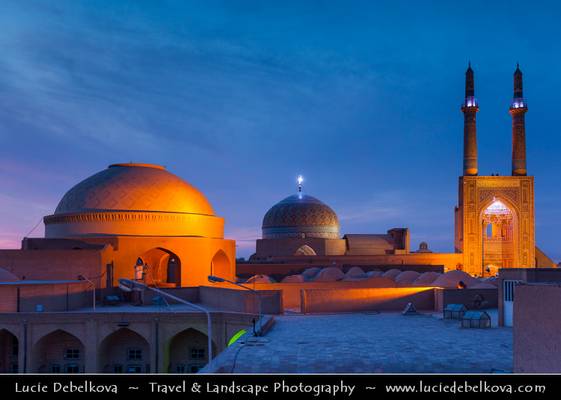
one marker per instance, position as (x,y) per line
(366,299)
(467,297)
(8,298)
(241,300)
(51,264)
(55,297)
(103,347)
(536,328)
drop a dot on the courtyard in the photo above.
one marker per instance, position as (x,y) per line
(371,343)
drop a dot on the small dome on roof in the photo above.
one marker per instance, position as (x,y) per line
(300,216)
(451,279)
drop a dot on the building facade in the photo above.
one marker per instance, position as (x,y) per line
(133,221)
(495,216)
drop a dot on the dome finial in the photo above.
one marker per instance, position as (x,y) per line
(300,180)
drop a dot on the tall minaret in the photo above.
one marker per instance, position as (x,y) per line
(470,108)
(517,109)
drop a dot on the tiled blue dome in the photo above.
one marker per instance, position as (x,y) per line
(300,216)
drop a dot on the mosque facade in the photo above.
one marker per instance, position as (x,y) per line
(494,219)
(495,216)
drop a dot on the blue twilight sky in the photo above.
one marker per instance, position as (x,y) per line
(239,97)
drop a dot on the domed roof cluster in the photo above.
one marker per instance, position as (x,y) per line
(134,187)
(302,216)
(391,278)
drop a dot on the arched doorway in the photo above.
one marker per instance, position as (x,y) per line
(9,351)
(188,351)
(220,265)
(161,267)
(124,351)
(58,352)
(305,250)
(499,237)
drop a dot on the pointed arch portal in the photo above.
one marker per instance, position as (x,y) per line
(160,267)
(9,351)
(498,237)
(220,265)
(124,351)
(58,352)
(187,351)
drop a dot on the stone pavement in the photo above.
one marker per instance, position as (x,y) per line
(370,342)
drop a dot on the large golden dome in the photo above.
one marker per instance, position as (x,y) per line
(300,216)
(134,187)
(133,199)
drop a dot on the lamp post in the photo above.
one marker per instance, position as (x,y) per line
(130,284)
(217,279)
(83,278)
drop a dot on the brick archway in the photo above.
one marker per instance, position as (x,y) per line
(124,351)
(9,351)
(187,351)
(161,267)
(220,265)
(58,352)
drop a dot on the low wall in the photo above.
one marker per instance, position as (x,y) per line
(55,297)
(190,294)
(25,297)
(536,328)
(468,297)
(366,299)
(8,299)
(291,291)
(46,264)
(240,300)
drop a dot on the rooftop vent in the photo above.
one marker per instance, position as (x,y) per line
(476,319)
(454,311)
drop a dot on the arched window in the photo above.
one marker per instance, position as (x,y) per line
(305,250)
(124,351)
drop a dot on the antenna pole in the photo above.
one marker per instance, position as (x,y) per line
(300,180)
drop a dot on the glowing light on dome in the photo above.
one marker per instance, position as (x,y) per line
(300,180)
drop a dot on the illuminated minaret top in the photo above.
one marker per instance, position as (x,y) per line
(518,98)
(518,109)
(470,108)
